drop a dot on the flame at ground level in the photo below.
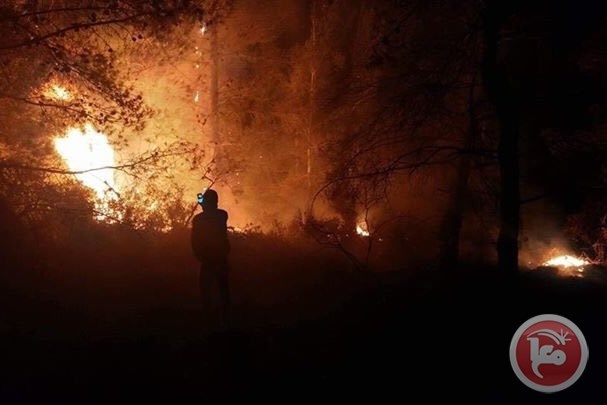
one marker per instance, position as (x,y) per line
(566,261)
(84,151)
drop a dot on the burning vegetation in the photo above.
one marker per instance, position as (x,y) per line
(375,161)
(298,118)
(568,265)
(88,154)
(566,261)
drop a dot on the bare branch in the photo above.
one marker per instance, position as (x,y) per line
(74,27)
(57,10)
(39,103)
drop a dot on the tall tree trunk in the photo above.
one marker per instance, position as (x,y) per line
(503,99)
(452,221)
(312,99)
(507,242)
(214,90)
(310,121)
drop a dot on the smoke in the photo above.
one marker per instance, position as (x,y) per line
(254,165)
(543,233)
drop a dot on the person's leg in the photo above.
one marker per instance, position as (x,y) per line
(204,287)
(224,293)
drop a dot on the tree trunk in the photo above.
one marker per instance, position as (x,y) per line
(504,102)
(214,90)
(312,103)
(507,242)
(452,221)
(216,138)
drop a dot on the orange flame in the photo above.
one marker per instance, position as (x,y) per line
(361,229)
(566,261)
(89,153)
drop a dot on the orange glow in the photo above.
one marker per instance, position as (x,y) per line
(57,93)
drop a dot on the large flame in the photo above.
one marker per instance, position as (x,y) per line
(85,151)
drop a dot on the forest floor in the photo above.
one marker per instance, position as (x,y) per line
(303,327)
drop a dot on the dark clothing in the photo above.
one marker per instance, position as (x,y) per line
(214,280)
(211,246)
(210,236)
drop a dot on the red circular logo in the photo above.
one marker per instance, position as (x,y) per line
(548,353)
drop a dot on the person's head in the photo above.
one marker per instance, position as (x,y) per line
(210,199)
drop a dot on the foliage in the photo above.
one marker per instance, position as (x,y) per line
(81,48)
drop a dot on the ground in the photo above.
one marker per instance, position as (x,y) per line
(303,327)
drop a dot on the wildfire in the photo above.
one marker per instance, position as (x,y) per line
(361,229)
(57,93)
(84,151)
(566,261)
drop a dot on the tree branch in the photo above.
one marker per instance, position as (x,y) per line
(123,167)
(39,39)
(16,16)
(39,103)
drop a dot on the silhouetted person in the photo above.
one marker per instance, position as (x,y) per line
(211,247)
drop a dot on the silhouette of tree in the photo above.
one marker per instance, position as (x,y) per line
(464,87)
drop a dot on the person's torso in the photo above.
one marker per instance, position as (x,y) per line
(212,228)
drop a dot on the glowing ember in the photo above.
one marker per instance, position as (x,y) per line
(361,229)
(57,93)
(566,261)
(84,151)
